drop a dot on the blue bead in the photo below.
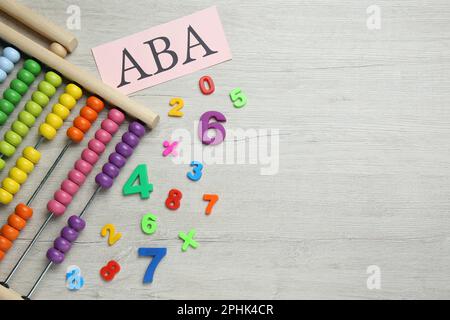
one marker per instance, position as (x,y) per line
(6,65)
(12,54)
(3,76)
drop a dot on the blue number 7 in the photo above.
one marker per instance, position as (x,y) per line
(158,254)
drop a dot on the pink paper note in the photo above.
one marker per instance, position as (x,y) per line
(164,52)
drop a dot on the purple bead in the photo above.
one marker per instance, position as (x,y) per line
(117,160)
(62,244)
(110,170)
(76,223)
(69,234)
(124,149)
(104,180)
(137,128)
(130,139)
(55,255)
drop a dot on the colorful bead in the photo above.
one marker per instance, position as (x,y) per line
(117,160)
(88,155)
(74,91)
(6,65)
(6,106)
(9,232)
(77,177)
(69,234)
(56,207)
(25,165)
(5,244)
(47,131)
(23,211)
(96,146)
(116,116)
(124,149)
(110,126)
(20,128)
(33,108)
(33,67)
(11,54)
(12,138)
(55,256)
(130,139)
(62,245)
(10,186)
(137,128)
(62,197)
(111,170)
(82,124)
(32,154)
(12,96)
(18,175)
(53,78)
(3,118)
(27,118)
(95,103)
(40,98)
(104,180)
(76,223)
(47,88)
(61,111)
(103,136)
(83,166)
(89,114)
(53,120)
(67,100)
(16,222)
(70,187)
(5,196)
(19,86)
(26,76)
(6,149)
(75,134)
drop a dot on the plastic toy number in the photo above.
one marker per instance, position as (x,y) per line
(206,90)
(109,271)
(212,198)
(238,98)
(157,254)
(196,173)
(205,125)
(148,223)
(144,188)
(113,236)
(177,104)
(173,200)
(74,280)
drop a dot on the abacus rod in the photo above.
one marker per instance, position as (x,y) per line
(33,241)
(39,280)
(41,276)
(49,172)
(41,139)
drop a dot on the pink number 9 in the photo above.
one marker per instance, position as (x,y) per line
(204,126)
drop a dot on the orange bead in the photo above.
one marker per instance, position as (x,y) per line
(16,222)
(89,114)
(9,232)
(75,134)
(82,124)
(95,103)
(5,244)
(23,211)
(2,255)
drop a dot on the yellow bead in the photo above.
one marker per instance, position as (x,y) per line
(31,154)
(74,91)
(5,196)
(67,100)
(10,186)
(47,131)
(53,120)
(25,165)
(18,175)
(61,111)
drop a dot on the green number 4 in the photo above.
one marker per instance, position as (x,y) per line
(143,187)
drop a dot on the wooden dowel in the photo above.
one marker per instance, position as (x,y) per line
(9,294)
(73,73)
(39,24)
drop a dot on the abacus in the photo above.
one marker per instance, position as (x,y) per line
(56,70)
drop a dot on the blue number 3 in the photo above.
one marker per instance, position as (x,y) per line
(157,254)
(197,171)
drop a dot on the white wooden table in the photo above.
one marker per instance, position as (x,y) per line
(364,177)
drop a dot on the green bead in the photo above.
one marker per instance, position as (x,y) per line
(6,106)
(33,108)
(2,164)
(3,118)
(20,128)
(7,149)
(27,118)
(12,96)
(13,138)
(53,78)
(26,76)
(40,98)
(47,88)
(32,66)
(19,86)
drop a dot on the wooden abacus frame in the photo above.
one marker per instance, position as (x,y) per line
(65,39)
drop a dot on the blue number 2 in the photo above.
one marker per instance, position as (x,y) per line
(157,254)
(197,170)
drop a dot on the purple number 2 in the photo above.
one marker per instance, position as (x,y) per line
(205,125)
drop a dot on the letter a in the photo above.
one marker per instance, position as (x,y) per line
(200,43)
(135,65)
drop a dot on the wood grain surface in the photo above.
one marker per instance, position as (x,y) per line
(363,120)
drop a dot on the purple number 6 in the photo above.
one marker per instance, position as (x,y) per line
(204,126)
